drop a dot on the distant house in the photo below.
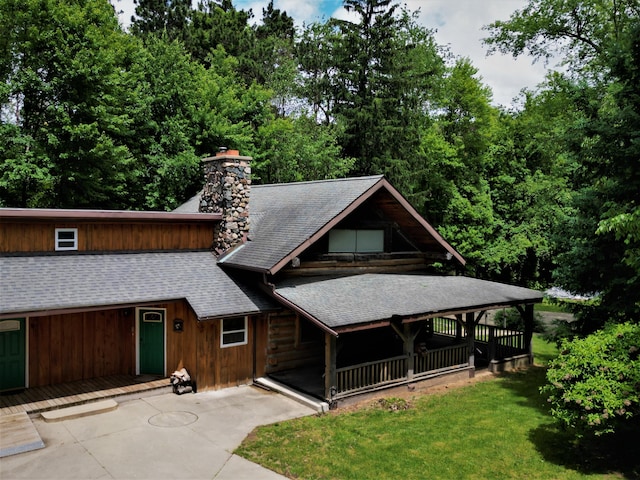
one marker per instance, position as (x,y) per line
(322,285)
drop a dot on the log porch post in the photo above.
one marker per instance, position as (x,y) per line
(408,336)
(330,376)
(528,331)
(459,327)
(470,326)
(409,339)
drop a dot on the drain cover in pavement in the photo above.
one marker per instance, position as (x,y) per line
(173,419)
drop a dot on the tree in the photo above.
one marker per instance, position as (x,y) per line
(298,149)
(273,58)
(64,71)
(597,249)
(162,108)
(580,32)
(374,79)
(463,209)
(162,17)
(603,230)
(594,383)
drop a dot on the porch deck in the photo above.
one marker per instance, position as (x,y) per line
(51,397)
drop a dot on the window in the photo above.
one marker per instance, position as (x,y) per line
(152,317)
(356,241)
(66,239)
(234,332)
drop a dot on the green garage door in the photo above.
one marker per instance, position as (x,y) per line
(12,354)
(151,344)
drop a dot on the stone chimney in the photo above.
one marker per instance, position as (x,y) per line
(227,185)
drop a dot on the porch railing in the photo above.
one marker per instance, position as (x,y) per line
(371,374)
(454,355)
(495,342)
(392,370)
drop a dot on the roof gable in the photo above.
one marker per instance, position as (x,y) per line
(286,219)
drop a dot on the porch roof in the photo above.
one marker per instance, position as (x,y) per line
(32,285)
(347,302)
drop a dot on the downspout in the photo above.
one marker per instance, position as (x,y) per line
(270,289)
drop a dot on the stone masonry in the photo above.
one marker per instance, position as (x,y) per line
(227,185)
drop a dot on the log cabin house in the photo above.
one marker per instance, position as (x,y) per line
(324,286)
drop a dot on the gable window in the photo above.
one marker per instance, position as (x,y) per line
(234,332)
(66,239)
(356,241)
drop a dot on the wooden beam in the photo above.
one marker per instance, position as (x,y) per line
(528,330)
(330,376)
(470,325)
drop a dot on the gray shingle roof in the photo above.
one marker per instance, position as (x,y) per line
(58,282)
(284,216)
(339,302)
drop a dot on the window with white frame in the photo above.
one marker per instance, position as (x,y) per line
(66,239)
(234,332)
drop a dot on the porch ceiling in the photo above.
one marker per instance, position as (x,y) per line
(369,298)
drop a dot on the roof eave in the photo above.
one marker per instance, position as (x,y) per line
(104,215)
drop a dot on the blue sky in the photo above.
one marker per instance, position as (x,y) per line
(312,10)
(457,23)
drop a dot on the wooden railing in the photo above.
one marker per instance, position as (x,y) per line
(498,342)
(371,374)
(391,370)
(441,358)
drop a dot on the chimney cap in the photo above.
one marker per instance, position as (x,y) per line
(225,151)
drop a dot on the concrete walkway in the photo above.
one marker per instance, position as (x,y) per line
(191,436)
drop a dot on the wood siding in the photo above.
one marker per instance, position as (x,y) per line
(284,350)
(80,346)
(22,237)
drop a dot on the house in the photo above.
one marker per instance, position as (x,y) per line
(322,285)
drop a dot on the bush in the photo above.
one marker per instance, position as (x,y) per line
(594,383)
(511,319)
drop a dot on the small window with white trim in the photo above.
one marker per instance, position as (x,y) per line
(66,239)
(234,332)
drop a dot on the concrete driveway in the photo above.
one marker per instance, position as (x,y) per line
(191,436)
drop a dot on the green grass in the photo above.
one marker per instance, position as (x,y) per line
(550,307)
(496,429)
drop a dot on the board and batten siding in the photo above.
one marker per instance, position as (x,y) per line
(23,237)
(80,346)
(197,348)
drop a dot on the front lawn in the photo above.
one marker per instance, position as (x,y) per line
(494,429)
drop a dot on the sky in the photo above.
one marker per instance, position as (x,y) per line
(457,23)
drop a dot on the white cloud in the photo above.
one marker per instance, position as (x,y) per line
(457,23)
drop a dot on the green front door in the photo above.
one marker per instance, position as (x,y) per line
(12,354)
(151,341)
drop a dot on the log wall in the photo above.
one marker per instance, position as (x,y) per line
(284,349)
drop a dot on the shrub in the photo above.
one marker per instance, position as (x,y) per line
(510,318)
(594,383)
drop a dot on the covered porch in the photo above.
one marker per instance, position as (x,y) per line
(419,327)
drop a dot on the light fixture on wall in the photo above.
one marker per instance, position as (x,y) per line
(178,325)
